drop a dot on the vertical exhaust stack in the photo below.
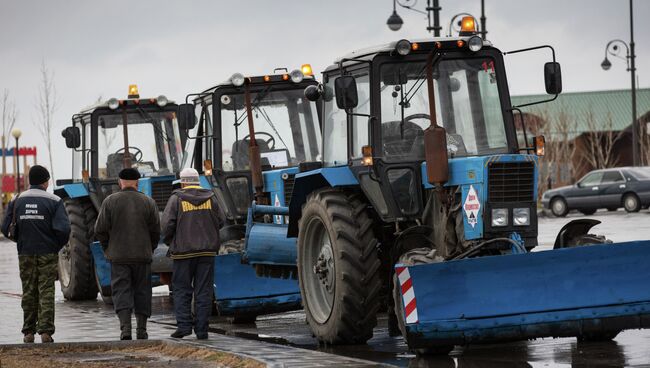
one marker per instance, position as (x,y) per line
(435,138)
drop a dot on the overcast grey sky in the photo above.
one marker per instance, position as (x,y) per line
(97,48)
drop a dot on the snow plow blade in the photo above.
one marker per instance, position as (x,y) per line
(595,290)
(240,291)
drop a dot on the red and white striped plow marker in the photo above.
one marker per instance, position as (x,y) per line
(408,294)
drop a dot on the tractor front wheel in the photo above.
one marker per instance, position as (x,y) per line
(76,271)
(338,267)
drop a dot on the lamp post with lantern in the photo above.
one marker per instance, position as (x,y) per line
(16,133)
(433,8)
(613,48)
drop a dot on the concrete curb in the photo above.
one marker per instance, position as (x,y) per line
(122,344)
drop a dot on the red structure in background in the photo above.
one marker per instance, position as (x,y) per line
(9,179)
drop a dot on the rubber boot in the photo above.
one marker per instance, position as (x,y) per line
(141,329)
(125,324)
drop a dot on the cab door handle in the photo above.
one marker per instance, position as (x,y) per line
(622,186)
(594,188)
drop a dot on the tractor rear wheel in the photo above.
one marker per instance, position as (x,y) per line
(338,267)
(76,271)
(411,258)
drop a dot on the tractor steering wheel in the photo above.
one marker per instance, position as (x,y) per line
(269,142)
(417,116)
(137,153)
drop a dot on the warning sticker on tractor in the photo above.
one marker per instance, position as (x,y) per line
(472,206)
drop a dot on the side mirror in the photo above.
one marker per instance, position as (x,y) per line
(312,93)
(72,137)
(553,78)
(345,88)
(186,116)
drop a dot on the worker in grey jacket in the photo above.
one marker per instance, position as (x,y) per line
(191,223)
(128,227)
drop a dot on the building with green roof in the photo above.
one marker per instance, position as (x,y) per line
(586,131)
(609,110)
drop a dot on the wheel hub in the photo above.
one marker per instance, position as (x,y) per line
(324,267)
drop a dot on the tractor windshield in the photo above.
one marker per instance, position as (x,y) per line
(154,143)
(286,129)
(467,106)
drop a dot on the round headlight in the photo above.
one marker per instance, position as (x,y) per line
(475,43)
(499,217)
(113,103)
(403,47)
(162,101)
(237,79)
(296,76)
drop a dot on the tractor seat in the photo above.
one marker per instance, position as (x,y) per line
(115,164)
(394,144)
(239,153)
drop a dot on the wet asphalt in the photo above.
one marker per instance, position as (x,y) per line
(628,349)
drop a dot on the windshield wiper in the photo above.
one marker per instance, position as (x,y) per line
(408,96)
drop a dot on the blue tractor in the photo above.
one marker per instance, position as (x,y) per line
(249,137)
(425,205)
(135,132)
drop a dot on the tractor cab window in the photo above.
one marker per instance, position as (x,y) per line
(467,105)
(286,129)
(155,146)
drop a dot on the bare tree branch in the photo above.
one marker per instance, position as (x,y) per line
(46,105)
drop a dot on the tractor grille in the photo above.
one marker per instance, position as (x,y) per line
(511,182)
(160,192)
(288,188)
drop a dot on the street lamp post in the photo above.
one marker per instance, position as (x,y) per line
(433,8)
(16,133)
(613,48)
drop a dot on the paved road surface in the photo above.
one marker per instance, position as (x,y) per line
(94,321)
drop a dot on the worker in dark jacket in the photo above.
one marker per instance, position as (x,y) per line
(42,229)
(191,223)
(128,227)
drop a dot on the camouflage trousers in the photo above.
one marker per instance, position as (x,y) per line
(37,274)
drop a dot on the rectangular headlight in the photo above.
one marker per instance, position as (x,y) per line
(521,216)
(499,217)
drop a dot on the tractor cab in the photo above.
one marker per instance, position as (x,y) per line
(409,116)
(142,133)
(286,129)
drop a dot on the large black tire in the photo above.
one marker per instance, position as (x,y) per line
(338,267)
(411,258)
(76,270)
(231,246)
(559,207)
(631,203)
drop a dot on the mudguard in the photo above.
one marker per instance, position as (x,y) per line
(103,268)
(562,292)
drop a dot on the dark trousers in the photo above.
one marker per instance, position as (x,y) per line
(131,286)
(193,277)
(37,275)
